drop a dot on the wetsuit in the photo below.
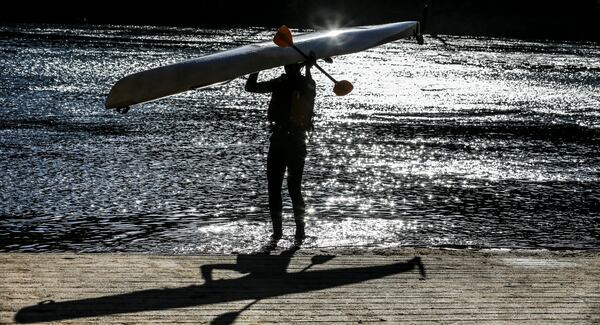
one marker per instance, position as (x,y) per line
(288,144)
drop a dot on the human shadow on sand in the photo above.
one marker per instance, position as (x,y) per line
(266,277)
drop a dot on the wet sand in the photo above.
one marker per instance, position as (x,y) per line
(326,286)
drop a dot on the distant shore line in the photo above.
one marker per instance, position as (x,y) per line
(79,25)
(535,19)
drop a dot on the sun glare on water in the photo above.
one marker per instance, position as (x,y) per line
(466,141)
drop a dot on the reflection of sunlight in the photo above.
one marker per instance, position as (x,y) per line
(245,237)
(333,21)
(445,138)
(473,169)
(334,33)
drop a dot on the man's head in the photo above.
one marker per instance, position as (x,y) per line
(293,69)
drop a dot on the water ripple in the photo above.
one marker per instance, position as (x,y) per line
(463,142)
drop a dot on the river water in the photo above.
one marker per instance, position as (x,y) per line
(462,142)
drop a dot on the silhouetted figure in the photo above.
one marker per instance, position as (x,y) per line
(266,277)
(268,265)
(290,115)
(260,266)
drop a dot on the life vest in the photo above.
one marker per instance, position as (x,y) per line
(302,107)
(292,104)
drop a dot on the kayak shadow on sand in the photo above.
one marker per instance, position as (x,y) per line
(266,277)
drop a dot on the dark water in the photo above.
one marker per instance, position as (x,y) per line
(463,142)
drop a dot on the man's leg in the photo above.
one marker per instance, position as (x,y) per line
(296,157)
(275,173)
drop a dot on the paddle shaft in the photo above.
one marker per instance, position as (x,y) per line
(315,64)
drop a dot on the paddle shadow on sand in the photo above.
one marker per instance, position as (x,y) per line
(266,277)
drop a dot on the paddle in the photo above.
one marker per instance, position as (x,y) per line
(283,38)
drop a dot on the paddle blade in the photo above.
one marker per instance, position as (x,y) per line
(342,88)
(283,37)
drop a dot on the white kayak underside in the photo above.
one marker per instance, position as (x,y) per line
(223,66)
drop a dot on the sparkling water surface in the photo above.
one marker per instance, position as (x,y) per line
(462,142)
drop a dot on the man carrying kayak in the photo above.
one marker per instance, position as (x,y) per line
(290,116)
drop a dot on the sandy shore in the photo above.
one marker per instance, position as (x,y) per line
(325,286)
